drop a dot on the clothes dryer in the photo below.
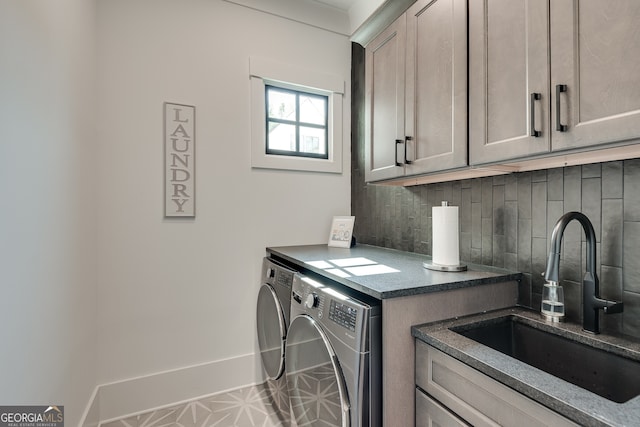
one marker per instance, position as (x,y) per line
(274,303)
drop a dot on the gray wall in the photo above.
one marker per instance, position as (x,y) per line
(506,221)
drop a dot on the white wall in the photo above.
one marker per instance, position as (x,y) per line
(82,219)
(180,292)
(47,219)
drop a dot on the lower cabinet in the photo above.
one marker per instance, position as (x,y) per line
(460,394)
(430,413)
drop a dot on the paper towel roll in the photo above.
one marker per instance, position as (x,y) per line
(446,249)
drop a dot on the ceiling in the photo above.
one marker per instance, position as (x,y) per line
(340,4)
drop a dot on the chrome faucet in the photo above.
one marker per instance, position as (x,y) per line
(591,301)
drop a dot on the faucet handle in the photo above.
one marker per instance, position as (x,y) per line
(612,307)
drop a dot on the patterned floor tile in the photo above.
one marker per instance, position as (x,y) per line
(194,414)
(160,418)
(246,407)
(317,400)
(278,395)
(125,422)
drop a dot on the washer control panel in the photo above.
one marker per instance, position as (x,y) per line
(308,296)
(343,314)
(336,312)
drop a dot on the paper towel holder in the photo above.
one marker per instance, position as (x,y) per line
(441,267)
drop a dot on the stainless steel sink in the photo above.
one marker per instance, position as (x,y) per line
(612,376)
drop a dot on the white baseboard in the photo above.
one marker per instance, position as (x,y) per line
(137,395)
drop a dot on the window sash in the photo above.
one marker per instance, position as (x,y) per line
(297,123)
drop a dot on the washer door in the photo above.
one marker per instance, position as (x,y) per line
(271,331)
(317,392)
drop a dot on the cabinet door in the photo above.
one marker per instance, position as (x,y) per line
(508,64)
(595,52)
(436,87)
(384,103)
(430,413)
(476,397)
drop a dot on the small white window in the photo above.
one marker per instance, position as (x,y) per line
(296,118)
(296,123)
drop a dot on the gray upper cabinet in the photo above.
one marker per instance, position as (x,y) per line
(436,103)
(595,54)
(384,103)
(508,79)
(431,134)
(551,76)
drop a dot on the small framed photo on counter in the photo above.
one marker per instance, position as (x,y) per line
(341,231)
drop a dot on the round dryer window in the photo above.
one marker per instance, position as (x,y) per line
(271,331)
(316,385)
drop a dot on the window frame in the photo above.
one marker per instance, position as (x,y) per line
(297,123)
(264,73)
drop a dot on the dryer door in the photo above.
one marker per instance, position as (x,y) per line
(317,391)
(272,331)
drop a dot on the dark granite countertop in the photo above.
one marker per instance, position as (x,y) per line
(385,273)
(575,403)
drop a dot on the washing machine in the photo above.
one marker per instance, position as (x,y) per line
(272,314)
(333,369)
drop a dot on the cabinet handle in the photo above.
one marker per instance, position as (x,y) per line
(399,141)
(406,139)
(559,126)
(534,97)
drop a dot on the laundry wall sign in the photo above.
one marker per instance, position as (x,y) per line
(179,160)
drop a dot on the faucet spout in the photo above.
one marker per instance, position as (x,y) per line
(553,263)
(591,301)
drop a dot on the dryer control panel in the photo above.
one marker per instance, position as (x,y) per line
(276,274)
(280,279)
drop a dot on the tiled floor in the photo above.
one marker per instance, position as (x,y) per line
(316,403)
(246,407)
(316,400)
